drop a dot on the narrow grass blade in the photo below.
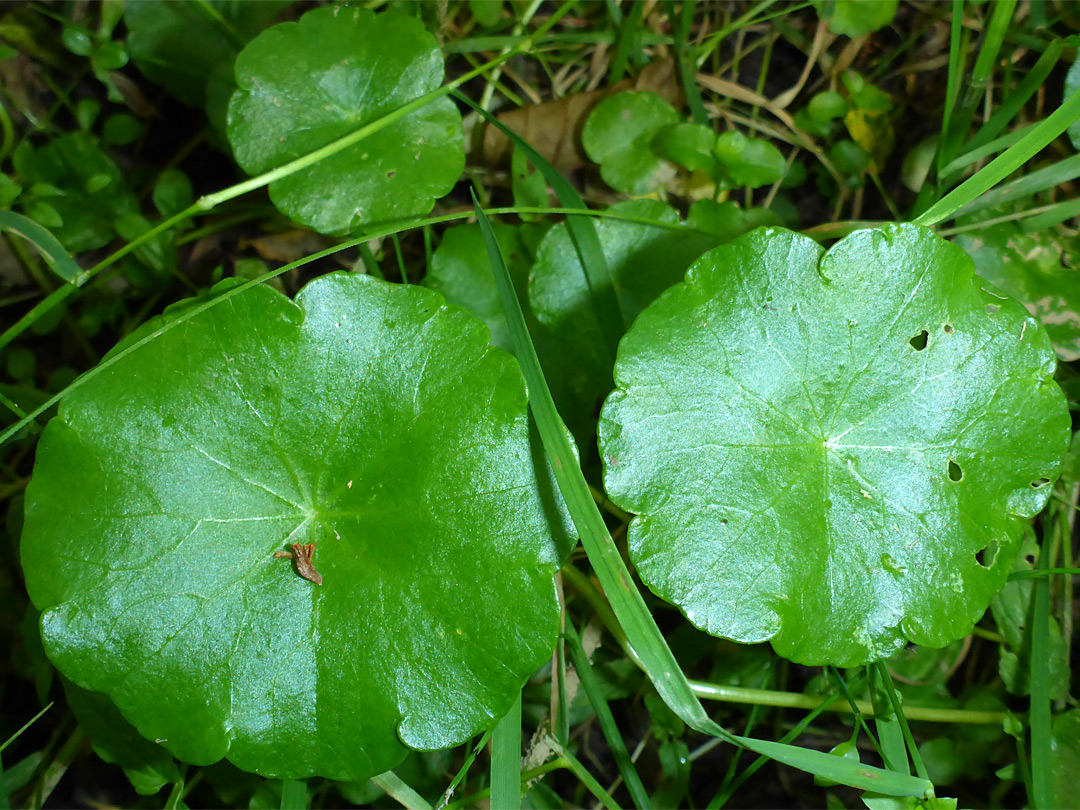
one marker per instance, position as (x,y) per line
(464,769)
(294,795)
(397,790)
(27,725)
(687,62)
(952,82)
(506,759)
(993,36)
(901,719)
(627,42)
(1015,101)
(591,684)
(626,601)
(986,150)
(46,244)
(5,802)
(1005,164)
(582,233)
(1055,214)
(1040,180)
(1041,772)
(587,779)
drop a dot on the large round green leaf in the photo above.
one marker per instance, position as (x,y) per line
(833,452)
(304,85)
(368,418)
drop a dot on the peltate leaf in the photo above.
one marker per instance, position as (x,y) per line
(833,451)
(1040,269)
(857,17)
(618,135)
(347,67)
(368,418)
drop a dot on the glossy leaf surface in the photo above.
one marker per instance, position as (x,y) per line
(346,67)
(368,418)
(835,452)
(619,134)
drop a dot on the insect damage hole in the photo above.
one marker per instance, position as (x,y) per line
(986,555)
(947,328)
(1039,483)
(992,309)
(955,473)
(918,343)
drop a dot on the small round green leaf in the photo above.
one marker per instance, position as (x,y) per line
(689,145)
(368,418)
(833,451)
(857,17)
(346,68)
(619,134)
(751,162)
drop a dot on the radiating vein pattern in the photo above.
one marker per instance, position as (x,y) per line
(819,445)
(367,418)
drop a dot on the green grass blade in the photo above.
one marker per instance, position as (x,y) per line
(1040,180)
(1013,103)
(1041,772)
(993,36)
(591,684)
(506,759)
(582,233)
(986,150)
(1005,164)
(587,779)
(687,61)
(952,83)
(5,802)
(629,27)
(397,790)
(464,769)
(1053,215)
(176,795)
(901,719)
(626,601)
(294,795)
(27,725)
(46,244)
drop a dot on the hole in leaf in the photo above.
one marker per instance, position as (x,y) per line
(986,555)
(948,328)
(1041,482)
(992,308)
(918,343)
(391,173)
(955,473)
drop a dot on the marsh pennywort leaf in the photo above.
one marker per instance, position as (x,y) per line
(368,418)
(1040,269)
(346,67)
(856,17)
(180,45)
(619,134)
(752,162)
(836,452)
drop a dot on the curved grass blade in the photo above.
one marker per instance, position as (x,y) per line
(1041,774)
(626,601)
(506,759)
(46,244)
(591,684)
(582,232)
(1004,164)
(400,792)
(582,773)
